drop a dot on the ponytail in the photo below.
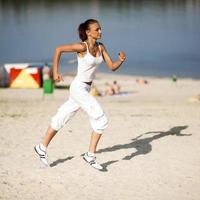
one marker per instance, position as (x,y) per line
(85,26)
(82,32)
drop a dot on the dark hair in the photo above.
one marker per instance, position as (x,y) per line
(85,26)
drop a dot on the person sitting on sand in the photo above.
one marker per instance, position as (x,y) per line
(195,98)
(115,87)
(94,91)
(142,81)
(108,91)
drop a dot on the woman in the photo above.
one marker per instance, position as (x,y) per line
(90,54)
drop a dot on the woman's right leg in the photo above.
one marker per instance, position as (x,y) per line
(50,133)
(63,115)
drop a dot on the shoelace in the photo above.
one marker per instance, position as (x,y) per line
(44,156)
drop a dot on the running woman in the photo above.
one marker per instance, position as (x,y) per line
(90,54)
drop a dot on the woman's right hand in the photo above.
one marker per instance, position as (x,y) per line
(57,77)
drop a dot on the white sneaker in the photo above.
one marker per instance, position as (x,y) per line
(92,161)
(42,154)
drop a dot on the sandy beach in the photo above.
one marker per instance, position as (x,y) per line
(150,150)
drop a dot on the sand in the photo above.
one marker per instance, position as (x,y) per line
(150,151)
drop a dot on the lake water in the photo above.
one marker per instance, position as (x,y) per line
(160,37)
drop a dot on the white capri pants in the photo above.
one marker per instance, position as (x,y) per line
(80,98)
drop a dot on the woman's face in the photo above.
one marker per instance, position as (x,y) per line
(94,31)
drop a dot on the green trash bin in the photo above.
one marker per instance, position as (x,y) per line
(174,78)
(48,86)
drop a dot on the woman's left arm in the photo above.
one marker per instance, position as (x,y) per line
(113,65)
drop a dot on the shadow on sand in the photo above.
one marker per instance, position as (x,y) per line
(53,164)
(142,146)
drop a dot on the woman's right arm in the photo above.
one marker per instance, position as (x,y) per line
(75,47)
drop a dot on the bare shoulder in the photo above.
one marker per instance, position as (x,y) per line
(80,46)
(72,47)
(102,46)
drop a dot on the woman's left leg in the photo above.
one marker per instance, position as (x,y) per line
(94,140)
(98,121)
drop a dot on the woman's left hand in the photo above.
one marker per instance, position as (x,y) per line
(122,56)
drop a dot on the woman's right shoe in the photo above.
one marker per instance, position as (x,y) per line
(42,154)
(92,161)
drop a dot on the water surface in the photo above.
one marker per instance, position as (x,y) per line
(161,38)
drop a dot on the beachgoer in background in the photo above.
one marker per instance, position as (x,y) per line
(94,91)
(115,87)
(195,98)
(46,72)
(108,90)
(142,81)
(90,54)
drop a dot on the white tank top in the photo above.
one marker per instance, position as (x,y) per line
(87,65)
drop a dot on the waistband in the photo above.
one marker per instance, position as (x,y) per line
(88,83)
(84,84)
